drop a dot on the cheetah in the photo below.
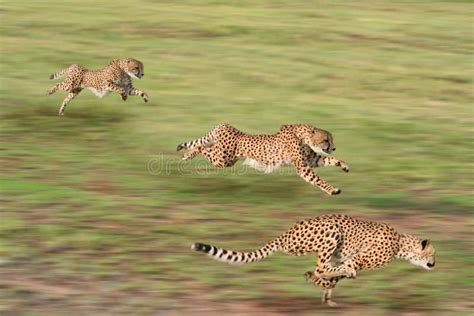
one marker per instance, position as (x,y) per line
(344,245)
(301,145)
(116,77)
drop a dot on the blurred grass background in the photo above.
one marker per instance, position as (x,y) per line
(98,213)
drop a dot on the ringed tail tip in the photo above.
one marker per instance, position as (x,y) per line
(201,247)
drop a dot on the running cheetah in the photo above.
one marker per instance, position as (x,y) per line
(298,144)
(344,246)
(116,77)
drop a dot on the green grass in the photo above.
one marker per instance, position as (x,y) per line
(98,212)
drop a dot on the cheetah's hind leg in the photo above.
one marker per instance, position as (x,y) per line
(56,87)
(68,99)
(191,153)
(345,269)
(328,285)
(327,298)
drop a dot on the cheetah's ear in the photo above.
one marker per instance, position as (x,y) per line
(424,243)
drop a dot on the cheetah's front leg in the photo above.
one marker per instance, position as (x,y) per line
(111,86)
(315,160)
(135,91)
(309,176)
(300,161)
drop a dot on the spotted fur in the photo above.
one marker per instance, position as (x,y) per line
(116,77)
(344,245)
(301,145)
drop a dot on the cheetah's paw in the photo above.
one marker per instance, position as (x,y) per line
(308,275)
(351,274)
(344,167)
(331,303)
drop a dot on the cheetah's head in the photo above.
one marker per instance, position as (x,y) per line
(318,140)
(134,68)
(421,253)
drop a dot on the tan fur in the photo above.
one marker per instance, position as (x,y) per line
(116,77)
(344,245)
(297,144)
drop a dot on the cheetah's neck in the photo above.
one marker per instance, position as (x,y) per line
(406,244)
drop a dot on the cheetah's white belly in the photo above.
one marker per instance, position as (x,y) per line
(99,93)
(260,166)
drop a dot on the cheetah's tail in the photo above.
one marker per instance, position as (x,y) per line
(206,140)
(189,145)
(234,257)
(203,141)
(58,74)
